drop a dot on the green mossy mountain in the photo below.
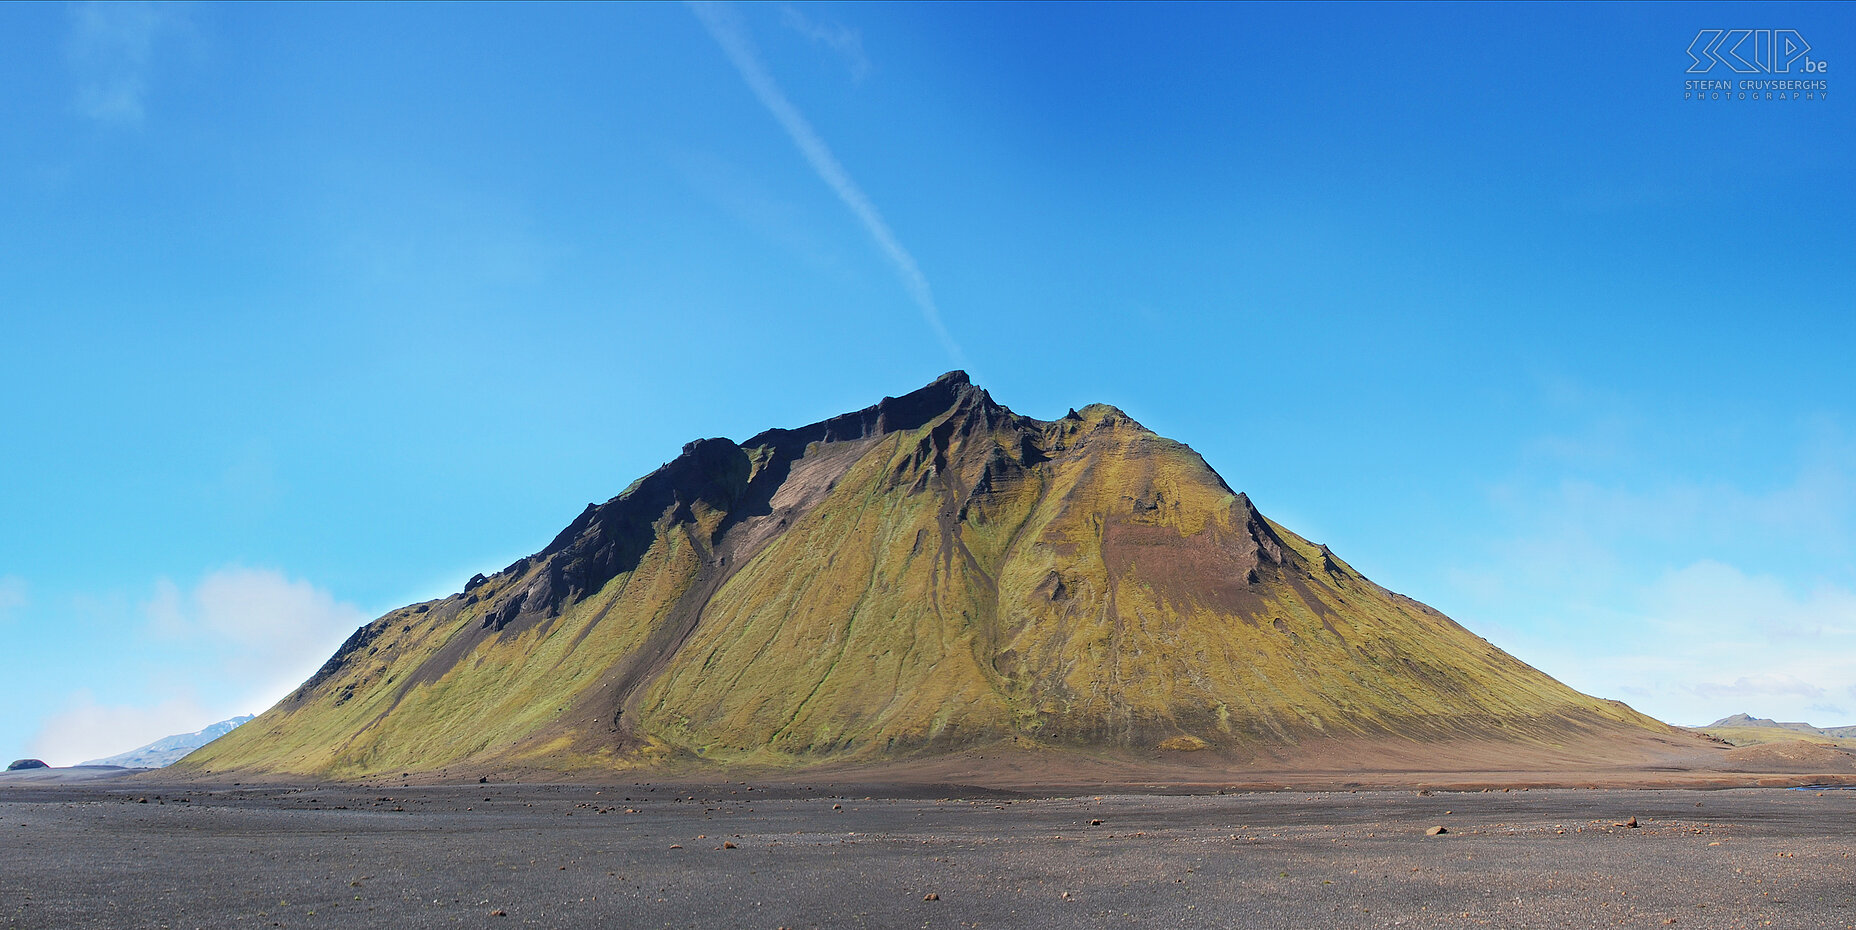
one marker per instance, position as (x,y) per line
(930,574)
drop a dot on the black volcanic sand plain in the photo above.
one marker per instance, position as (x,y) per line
(821,855)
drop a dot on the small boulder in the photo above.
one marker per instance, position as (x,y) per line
(1436,831)
(23,764)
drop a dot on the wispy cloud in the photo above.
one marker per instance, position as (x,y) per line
(847,42)
(110,48)
(430,237)
(738,193)
(1765,687)
(726,28)
(12,595)
(1713,597)
(265,632)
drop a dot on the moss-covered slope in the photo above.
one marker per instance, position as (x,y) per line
(931,573)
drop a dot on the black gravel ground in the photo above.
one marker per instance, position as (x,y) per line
(637,856)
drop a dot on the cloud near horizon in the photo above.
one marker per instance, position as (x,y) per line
(234,643)
(1748,638)
(1692,594)
(85,730)
(1709,640)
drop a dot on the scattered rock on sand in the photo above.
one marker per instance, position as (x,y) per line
(931,896)
(1436,831)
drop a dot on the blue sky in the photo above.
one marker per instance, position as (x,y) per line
(313,311)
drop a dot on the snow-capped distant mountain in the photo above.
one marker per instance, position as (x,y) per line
(170,749)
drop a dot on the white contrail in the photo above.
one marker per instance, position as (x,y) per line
(729,34)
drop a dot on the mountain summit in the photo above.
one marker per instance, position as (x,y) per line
(931,574)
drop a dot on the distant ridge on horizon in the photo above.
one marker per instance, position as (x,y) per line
(1747,720)
(170,749)
(931,576)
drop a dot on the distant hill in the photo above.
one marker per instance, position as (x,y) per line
(931,575)
(170,749)
(1746,720)
(1747,730)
